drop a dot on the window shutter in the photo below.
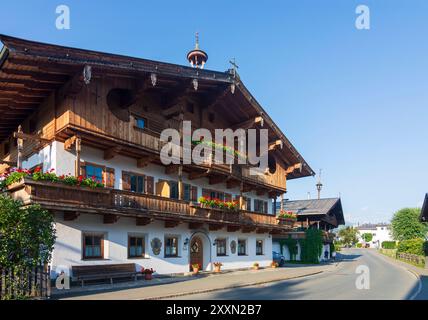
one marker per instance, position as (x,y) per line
(256,205)
(194,193)
(149,187)
(109,178)
(126,181)
(265,207)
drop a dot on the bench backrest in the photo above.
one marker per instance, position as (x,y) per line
(103,269)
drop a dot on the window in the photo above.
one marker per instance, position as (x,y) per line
(260,206)
(171,247)
(248,203)
(221,247)
(173,191)
(137,183)
(136,247)
(242,247)
(259,247)
(187,192)
(140,122)
(93,246)
(94,171)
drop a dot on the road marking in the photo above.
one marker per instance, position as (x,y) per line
(419,284)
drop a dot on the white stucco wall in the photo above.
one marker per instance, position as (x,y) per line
(382,233)
(68,246)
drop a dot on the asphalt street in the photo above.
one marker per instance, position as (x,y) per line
(363,274)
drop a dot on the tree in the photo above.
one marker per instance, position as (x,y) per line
(406,225)
(368,237)
(27,236)
(348,235)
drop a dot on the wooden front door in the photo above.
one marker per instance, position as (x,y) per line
(196,252)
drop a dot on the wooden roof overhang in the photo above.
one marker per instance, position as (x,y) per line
(424,211)
(31,71)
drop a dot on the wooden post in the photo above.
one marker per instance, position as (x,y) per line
(180,168)
(78,150)
(282,202)
(241,197)
(20,144)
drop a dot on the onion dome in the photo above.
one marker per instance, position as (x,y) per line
(197,58)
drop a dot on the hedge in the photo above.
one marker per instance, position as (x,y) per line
(389,245)
(413,246)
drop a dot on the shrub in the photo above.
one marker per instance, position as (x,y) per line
(426,248)
(359,245)
(389,245)
(413,246)
(311,246)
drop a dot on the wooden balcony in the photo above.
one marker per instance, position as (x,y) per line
(113,204)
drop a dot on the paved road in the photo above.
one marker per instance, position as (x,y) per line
(387,281)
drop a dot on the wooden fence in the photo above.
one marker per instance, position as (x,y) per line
(414,258)
(31,283)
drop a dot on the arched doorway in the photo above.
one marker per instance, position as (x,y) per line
(196,252)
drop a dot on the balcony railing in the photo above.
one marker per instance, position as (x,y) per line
(60,197)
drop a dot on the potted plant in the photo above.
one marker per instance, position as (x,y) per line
(274,264)
(287,218)
(256,266)
(196,268)
(217,267)
(148,273)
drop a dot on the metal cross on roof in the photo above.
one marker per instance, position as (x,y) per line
(234,66)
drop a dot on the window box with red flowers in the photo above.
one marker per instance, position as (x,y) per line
(287,218)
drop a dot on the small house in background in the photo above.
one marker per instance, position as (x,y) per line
(324,214)
(380,232)
(424,212)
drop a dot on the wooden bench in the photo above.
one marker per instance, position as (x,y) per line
(104,271)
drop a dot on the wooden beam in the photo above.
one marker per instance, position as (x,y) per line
(233,228)
(144,161)
(248,229)
(291,169)
(143,221)
(196,175)
(278,144)
(231,183)
(214,227)
(249,123)
(171,223)
(74,85)
(217,179)
(171,169)
(70,216)
(110,218)
(68,144)
(9,163)
(195,225)
(31,137)
(262,230)
(247,188)
(260,192)
(111,152)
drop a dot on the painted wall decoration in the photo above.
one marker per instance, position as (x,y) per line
(156,245)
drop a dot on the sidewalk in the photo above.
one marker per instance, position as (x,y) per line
(190,285)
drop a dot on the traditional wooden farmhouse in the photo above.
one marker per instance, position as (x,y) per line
(87,126)
(324,214)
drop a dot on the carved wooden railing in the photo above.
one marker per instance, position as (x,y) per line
(58,196)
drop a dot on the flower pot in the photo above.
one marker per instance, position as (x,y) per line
(148,276)
(256,267)
(195,270)
(274,266)
(217,269)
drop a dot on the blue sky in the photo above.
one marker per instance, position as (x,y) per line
(353,102)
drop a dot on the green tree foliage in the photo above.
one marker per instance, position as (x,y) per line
(27,234)
(414,246)
(368,237)
(348,235)
(389,245)
(406,225)
(311,246)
